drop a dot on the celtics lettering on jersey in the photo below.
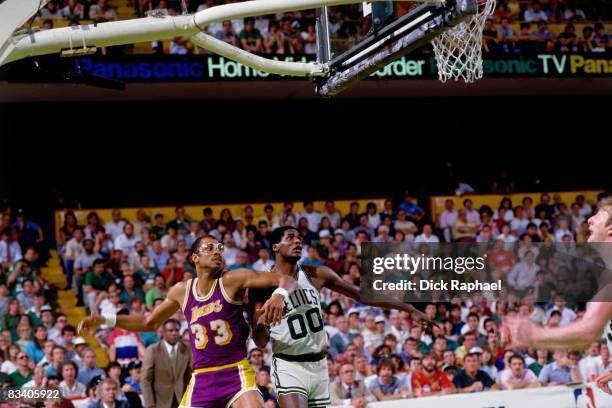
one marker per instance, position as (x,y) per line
(301,330)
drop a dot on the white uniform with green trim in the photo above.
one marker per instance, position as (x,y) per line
(300,335)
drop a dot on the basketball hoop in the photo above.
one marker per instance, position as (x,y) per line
(458,51)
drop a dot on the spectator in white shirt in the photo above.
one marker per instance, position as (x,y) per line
(230,251)
(506,236)
(427,236)
(448,218)
(590,366)
(519,224)
(332,214)
(534,13)
(383,234)
(562,231)
(169,242)
(264,263)
(74,247)
(125,242)
(504,211)
(523,275)
(485,235)
(472,214)
(114,228)
(585,209)
(567,315)
(373,216)
(37,378)
(313,217)
(70,387)
(403,224)
(240,233)
(9,251)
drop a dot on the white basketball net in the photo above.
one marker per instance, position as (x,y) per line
(458,51)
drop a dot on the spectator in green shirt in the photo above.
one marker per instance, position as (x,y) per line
(23,269)
(130,290)
(542,359)
(95,281)
(158,291)
(159,229)
(23,374)
(250,37)
(147,273)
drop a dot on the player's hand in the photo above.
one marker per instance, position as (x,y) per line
(273,310)
(518,331)
(89,324)
(603,380)
(426,323)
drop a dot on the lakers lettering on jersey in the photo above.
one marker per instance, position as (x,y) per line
(218,333)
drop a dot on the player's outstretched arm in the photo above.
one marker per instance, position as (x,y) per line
(138,322)
(577,335)
(332,281)
(273,310)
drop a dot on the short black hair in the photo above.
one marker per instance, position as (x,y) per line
(516,356)
(207,211)
(172,321)
(98,261)
(196,245)
(73,364)
(277,234)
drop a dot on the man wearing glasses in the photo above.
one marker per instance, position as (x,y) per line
(23,374)
(218,332)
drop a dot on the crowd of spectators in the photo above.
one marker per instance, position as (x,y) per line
(127,266)
(294,32)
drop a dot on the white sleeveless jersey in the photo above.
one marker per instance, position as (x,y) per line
(301,330)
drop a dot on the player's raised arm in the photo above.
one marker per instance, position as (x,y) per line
(273,310)
(138,322)
(332,281)
(577,335)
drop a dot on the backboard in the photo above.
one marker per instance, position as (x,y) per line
(384,32)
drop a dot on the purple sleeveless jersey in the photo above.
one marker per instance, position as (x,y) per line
(217,329)
(218,335)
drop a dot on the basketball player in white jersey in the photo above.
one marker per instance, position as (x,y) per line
(597,318)
(299,342)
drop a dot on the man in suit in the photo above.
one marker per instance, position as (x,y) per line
(107,392)
(348,391)
(166,369)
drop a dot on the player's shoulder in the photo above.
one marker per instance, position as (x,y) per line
(178,290)
(313,271)
(318,272)
(228,277)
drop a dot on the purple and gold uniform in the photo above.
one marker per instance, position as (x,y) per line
(218,335)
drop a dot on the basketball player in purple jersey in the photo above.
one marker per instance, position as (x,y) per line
(211,302)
